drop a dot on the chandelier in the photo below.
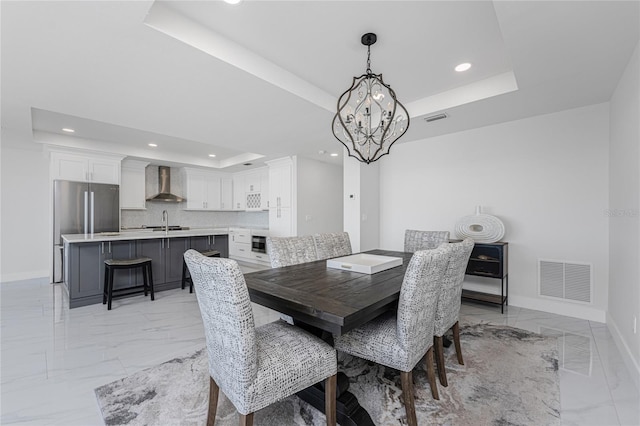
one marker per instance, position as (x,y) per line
(369,118)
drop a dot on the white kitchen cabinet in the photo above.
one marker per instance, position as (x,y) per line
(281,209)
(226,193)
(280,178)
(239,192)
(132,185)
(281,222)
(252,182)
(89,167)
(202,189)
(240,243)
(264,188)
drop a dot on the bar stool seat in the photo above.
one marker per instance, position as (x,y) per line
(187,278)
(111,265)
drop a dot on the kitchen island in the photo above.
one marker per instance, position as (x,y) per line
(84,257)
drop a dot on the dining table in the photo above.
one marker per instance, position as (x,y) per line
(329,302)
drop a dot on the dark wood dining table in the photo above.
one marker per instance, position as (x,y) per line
(332,302)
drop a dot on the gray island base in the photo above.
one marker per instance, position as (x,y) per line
(84,257)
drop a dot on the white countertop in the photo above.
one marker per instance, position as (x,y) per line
(141,235)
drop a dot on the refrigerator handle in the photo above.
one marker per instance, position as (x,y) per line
(86,212)
(92,211)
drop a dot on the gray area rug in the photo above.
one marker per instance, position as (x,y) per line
(510,377)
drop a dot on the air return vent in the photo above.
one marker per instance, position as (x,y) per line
(565,280)
(435,117)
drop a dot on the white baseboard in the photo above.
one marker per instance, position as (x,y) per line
(560,308)
(632,364)
(20,276)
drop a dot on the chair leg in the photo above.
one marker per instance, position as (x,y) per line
(331,383)
(437,342)
(407,391)
(431,374)
(145,281)
(214,391)
(110,290)
(106,285)
(150,277)
(456,341)
(184,272)
(246,419)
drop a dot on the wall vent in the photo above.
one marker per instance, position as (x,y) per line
(565,280)
(435,117)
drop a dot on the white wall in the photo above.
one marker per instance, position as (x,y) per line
(546,177)
(319,195)
(362,203)
(624,204)
(24,226)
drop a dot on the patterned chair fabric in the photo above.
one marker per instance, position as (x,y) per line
(285,251)
(400,340)
(332,244)
(451,286)
(424,240)
(254,367)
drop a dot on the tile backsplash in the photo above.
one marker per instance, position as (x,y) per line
(178,216)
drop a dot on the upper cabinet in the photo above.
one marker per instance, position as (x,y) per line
(226,193)
(132,185)
(251,190)
(202,189)
(81,167)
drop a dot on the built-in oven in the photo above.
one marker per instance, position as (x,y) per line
(258,244)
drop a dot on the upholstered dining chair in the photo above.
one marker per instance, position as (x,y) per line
(400,339)
(423,240)
(254,367)
(332,244)
(448,309)
(285,251)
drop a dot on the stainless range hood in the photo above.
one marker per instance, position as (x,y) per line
(164,181)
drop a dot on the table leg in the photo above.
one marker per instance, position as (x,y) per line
(349,412)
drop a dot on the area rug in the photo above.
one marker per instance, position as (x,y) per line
(510,377)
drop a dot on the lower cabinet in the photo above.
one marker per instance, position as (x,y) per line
(166,259)
(84,270)
(211,242)
(84,264)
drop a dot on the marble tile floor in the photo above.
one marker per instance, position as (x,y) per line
(53,357)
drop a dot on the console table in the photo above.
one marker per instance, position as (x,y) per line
(490,260)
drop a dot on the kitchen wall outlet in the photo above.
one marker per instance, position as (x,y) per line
(364,217)
(307,217)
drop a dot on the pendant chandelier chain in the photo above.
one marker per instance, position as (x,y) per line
(368,59)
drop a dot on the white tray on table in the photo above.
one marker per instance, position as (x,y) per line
(364,263)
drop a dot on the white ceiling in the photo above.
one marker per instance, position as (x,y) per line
(260,80)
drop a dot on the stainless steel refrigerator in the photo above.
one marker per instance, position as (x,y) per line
(82,208)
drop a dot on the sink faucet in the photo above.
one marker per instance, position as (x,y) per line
(165,220)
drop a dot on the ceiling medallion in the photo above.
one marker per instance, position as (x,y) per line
(369,118)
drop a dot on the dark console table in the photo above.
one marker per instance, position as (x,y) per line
(490,260)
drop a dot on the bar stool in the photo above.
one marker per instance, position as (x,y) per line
(110,267)
(187,279)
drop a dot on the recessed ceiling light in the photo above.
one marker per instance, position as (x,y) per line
(333,154)
(153,145)
(212,155)
(68,130)
(232,1)
(463,67)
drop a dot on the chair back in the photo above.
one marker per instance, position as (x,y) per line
(285,251)
(424,240)
(229,327)
(448,309)
(332,244)
(418,300)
